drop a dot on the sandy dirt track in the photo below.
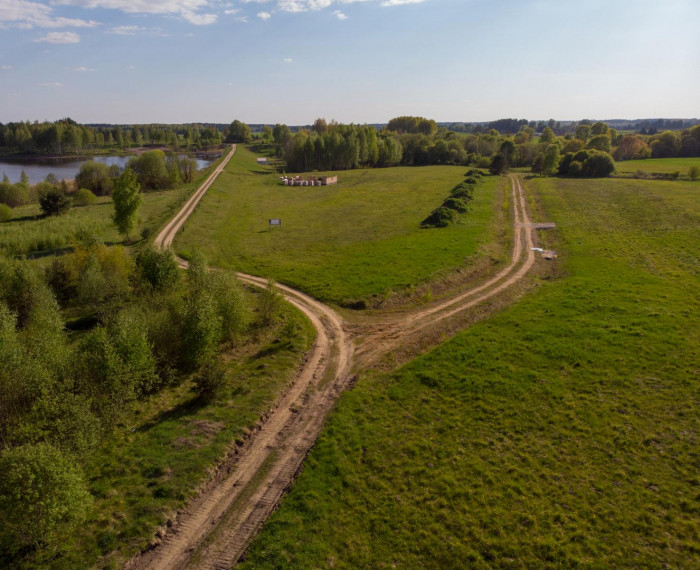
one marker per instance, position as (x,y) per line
(216,527)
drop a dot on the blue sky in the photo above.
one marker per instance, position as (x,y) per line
(291,61)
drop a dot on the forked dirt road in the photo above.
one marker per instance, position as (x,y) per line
(216,527)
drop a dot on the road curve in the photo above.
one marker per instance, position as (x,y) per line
(216,527)
(390,336)
(276,450)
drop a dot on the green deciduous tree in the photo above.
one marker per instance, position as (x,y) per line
(42,492)
(158,268)
(239,132)
(550,160)
(127,202)
(94,176)
(151,170)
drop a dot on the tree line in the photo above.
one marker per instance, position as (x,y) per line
(66,137)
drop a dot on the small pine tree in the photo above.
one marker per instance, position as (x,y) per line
(54,202)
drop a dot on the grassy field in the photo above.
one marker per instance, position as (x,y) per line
(341,243)
(562,432)
(658,166)
(29,234)
(159,455)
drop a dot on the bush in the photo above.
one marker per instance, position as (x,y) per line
(14,195)
(42,492)
(440,218)
(270,303)
(54,202)
(455,204)
(232,303)
(84,197)
(575,168)
(210,381)
(94,176)
(499,164)
(158,268)
(201,331)
(694,172)
(6,213)
(598,165)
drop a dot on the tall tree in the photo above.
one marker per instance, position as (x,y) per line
(239,133)
(127,202)
(550,160)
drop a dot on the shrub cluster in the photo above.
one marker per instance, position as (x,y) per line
(141,329)
(456,203)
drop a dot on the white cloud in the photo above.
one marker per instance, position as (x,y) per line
(338,14)
(82,68)
(199,19)
(287,60)
(126,30)
(186,9)
(27,15)
(51,84)
(60,38)
(232,11)
(400,2)
(264,15)
(5,67)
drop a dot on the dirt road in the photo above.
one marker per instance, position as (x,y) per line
(390,335)
(215,528)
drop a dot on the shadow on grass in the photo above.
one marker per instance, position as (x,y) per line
(188,408)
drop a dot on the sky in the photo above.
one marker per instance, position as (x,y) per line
(361,61)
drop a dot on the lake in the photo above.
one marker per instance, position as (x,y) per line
(39,169)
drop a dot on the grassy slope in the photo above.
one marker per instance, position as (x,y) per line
(563,431)
(154,460)
(657,165)
(350,241)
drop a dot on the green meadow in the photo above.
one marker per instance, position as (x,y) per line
(561,432)
(657,166)
(358,240)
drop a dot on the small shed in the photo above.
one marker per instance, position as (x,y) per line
(328,180)
(262,161)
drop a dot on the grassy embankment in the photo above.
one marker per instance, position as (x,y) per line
(29,234)
(359,240)
(561,432)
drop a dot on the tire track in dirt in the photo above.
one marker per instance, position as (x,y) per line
(278,447)
(217,526)
(389,336)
